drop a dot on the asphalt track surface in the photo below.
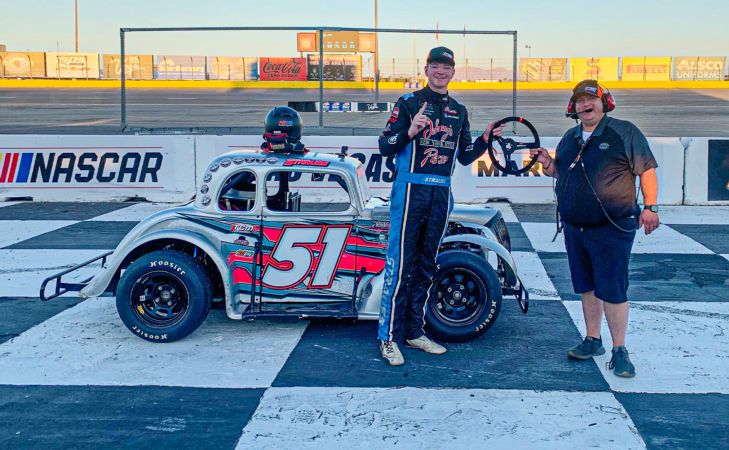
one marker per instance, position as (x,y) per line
(72,376)
(677,113)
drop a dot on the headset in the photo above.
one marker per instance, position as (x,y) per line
(608,101)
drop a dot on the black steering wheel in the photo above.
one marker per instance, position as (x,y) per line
(509,146)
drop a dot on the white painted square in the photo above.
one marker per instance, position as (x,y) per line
(664,240)
(697,215)
(89,345)
(375,418)
(506,211)
(725,257)
(14,231)
(134,213)
(534,276)
(23,271)
(4,204)
(677,347)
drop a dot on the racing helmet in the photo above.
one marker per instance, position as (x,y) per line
(282,130)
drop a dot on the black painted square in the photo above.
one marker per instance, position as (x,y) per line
(519,240)
(20,314)
(713,237)
(535,213)
(59,210)
(518,352)
(698,421)
(657,277)
(82,235)
(123,417)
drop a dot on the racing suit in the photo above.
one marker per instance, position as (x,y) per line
(420,202)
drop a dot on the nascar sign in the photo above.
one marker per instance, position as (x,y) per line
(90,168)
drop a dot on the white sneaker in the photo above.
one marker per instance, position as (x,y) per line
(391,353)
(426,345)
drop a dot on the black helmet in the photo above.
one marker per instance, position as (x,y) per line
(282,129)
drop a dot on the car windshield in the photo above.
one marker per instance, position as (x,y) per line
(362,181)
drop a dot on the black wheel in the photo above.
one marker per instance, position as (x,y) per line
(164,296)
(465,299)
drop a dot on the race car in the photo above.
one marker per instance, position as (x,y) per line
(272,234)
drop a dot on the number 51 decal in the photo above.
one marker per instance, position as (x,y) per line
(293,257)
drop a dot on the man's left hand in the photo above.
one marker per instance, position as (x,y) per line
(649,220)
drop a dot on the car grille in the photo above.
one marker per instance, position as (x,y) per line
(498,227)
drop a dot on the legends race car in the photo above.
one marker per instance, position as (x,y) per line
(292,234)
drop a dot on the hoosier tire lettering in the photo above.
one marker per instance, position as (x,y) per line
(163,296)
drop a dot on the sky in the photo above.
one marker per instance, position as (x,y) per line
(558,28)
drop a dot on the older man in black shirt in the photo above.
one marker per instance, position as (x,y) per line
(595,167)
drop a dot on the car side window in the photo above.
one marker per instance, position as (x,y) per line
(238,192)
(301,191)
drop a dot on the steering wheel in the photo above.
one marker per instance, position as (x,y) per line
(509,146)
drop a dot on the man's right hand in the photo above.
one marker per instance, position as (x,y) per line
(544,158)
(419,122)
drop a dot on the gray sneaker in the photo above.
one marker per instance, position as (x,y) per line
(587,349)
(620,363)
(391,353)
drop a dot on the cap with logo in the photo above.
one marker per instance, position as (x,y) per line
(442,55)
(587,87)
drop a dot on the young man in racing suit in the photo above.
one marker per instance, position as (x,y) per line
(426,132)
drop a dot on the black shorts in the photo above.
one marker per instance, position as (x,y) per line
(598,257)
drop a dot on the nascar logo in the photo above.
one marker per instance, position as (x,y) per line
(67,167)
(15,167)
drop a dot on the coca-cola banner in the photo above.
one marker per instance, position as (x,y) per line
(336,67)
(281,69)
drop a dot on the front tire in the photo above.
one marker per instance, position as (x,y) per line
(465,299)
(164,296)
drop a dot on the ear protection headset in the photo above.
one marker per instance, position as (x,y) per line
(608,101)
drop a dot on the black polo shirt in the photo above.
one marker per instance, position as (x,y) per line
(613,156)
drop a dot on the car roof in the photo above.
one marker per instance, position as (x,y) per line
(262,161)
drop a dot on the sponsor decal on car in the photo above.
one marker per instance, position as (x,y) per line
(305,162)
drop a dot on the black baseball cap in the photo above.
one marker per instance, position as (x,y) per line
(587,87)
(441,54)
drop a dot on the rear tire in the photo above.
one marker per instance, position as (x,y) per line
(465,299)
(164,296)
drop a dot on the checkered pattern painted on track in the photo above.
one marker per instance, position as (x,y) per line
(71,375)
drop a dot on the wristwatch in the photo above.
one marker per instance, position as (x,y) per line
(651,208)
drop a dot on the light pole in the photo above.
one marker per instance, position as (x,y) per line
(75,2)
(377,62)
(529,48)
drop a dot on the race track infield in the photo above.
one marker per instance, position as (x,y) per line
(72,376)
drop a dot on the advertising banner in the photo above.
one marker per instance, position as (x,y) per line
(698,67)
(23,64)
(72,65)
(335,41)
(180,67)
(336,67)
(281,69)
(601,69)
(92,168)
(137,67)
(232,68)
(647,68)
(543,69)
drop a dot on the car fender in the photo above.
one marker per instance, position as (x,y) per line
(487,244)
(100,282)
